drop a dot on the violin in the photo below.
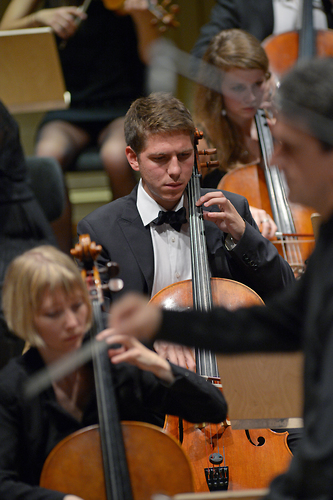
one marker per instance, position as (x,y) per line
(285,49)
(109,461)
(222,458)
(164,12)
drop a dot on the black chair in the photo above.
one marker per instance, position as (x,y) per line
(47,181)
(89,159)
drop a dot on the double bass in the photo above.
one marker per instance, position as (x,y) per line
(113,461)
(222,458)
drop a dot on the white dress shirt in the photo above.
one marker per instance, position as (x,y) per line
(288,15)
(172,250)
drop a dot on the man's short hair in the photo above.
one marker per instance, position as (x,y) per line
(159,113)
(306,95)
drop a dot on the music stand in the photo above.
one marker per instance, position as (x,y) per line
(254,494)
(263,390)
(31,77)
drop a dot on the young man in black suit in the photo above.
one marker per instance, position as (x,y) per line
(159,133)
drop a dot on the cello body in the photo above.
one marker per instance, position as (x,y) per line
(248,464)
(265,187)
(283,50)
(75,465)
(249,181)
(250,459)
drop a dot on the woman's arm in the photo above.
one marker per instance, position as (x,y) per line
(19,14)
(22,14)
(172,389)
(135,353)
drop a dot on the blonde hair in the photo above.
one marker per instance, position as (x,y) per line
(229,49)
(28,277)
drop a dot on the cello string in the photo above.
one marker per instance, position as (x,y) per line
(281,219)
(201,281)
(296,247)
(202,297)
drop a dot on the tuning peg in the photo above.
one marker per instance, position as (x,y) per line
(208,164)
(111,268)
(204,152)
(169,20)
(114,284)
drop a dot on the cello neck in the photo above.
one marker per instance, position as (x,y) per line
(277,193)
(116,474)
(201,287)
(202,295)
(306,47)
(274,181)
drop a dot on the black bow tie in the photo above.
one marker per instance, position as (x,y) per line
(175,219)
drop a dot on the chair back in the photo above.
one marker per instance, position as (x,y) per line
(47,181)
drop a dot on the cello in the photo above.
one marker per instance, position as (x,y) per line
(109,461)
(222,458)
(285,49)
(266,188)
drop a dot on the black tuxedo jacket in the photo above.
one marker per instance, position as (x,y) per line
(118,227)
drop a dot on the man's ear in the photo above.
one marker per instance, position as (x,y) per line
(132,158)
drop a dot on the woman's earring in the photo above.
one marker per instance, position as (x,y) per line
(223,112)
